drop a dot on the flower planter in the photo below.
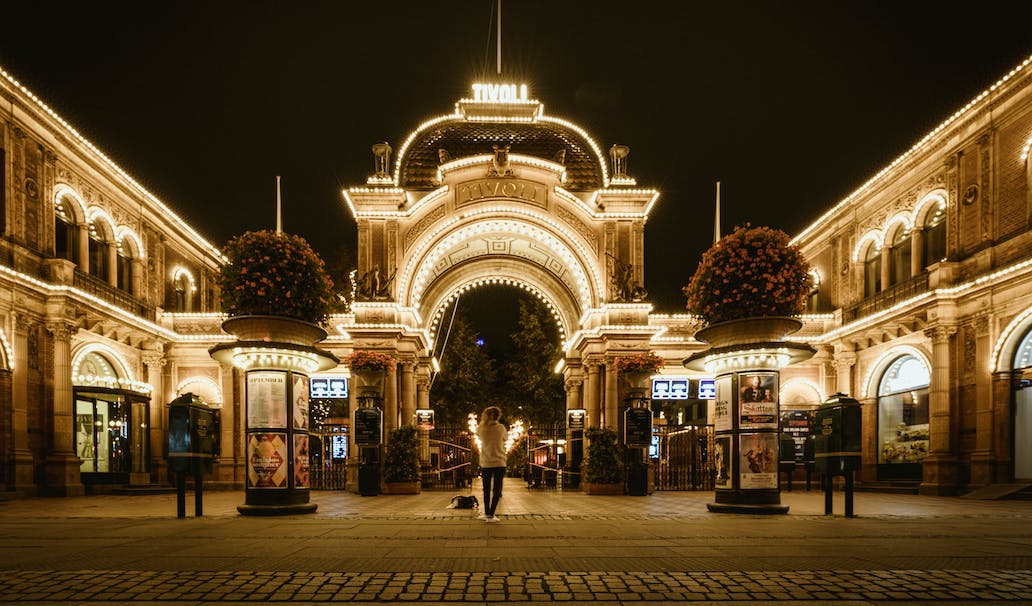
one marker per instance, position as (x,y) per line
(401,487)
(638,381)
(764,329)
(274,329)
(369,383)
(604,489)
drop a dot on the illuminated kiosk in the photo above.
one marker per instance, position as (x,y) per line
(277,356)
(746,356)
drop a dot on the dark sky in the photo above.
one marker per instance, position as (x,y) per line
(791,105)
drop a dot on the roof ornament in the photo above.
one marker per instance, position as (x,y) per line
(443,155)
(382,156)
(560,157)
(619,154)
(500,162)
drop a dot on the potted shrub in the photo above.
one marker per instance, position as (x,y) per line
(369,370)
(274,287)
(747,287)
(401,462)
(603,469)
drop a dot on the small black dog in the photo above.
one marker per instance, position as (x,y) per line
(461,502)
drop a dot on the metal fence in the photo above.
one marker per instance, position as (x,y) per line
(449,458)
(684,461)
(328,463)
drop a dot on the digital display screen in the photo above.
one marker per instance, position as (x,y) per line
(339,447)
(707,389)
(329,387)
(675,388)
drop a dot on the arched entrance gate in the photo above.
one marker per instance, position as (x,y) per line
(499,192)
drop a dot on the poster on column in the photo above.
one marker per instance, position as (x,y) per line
(758,400)
(300,395)
(722,405)
(267,460)
(758,460)
(301,476)
(722,461)
(266,399)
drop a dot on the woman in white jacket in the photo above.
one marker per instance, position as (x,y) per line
(492,459)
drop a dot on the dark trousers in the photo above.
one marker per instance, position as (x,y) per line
(493,477)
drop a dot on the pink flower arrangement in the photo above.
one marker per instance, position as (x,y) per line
(643,362)
(362,359)
(750,272)
(275,274)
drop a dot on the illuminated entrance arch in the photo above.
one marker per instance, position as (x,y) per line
(497,192)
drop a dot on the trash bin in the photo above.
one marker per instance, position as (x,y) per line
(369,479)
(638,479)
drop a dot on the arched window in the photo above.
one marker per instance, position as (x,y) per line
(182,296)
(98,254)
(903,418)
(124,269)
(1023,413)
(872,271)
(899,256)
(111,420)
(66,233)
(934,249)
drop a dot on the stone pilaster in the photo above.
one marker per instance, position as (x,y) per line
(983,459)
(612,414)
(592,394)
(62,464)
(154,361)
(939,468)
(408,391)
(1003,437)
(844,363)
(21,475)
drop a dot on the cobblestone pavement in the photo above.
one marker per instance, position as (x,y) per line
(555,547)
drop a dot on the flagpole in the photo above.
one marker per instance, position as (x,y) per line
(716,217)
(499,53)
(279,212)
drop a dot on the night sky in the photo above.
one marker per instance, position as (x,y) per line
(791,105)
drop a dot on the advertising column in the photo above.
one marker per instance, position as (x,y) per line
(277,440)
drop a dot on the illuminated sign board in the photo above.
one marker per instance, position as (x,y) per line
(330,387)
(425,418)
(707,389)
(675,388)
(575,419)
(499,93)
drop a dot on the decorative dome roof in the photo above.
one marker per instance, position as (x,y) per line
(541,136)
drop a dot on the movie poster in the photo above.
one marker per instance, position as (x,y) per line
(266,399)
(758,460)
(301,477)
(758,400)
(722,405)
(722,461)
(300,402)
(267,460)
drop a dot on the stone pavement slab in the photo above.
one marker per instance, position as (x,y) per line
(556,547)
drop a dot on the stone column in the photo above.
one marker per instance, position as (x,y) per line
(612,414)
(592,403)
(939,468)
(21,476)
(422,390)
(137,288)
(390,403)
(886,261)
(84,247)
(112,270)
(916,251)
(408,392)
(62,463)
(871,447)
(154,361)
(983,459)
(844,363)
(1003,434)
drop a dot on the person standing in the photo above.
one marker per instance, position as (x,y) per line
(492,459)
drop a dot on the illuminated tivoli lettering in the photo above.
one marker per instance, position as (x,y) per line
(499,93)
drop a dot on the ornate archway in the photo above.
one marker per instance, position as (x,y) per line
(498,192)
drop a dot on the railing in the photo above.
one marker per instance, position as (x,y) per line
(887,298)
(116,296)
(685,461)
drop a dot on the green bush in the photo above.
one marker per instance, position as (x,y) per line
(604,464)
(401,463)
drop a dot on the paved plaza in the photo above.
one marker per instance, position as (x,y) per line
(555,547)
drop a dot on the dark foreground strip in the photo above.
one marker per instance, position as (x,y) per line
(882,585)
